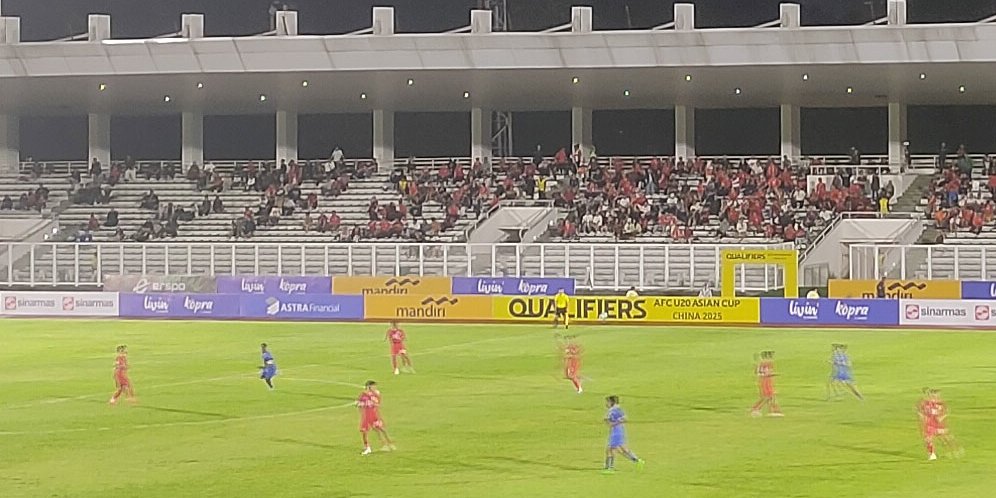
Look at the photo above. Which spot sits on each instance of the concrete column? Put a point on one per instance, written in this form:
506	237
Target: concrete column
192	132
99	132
789	16
10	30
897	12
98	27
581	129
383	138
383	21
480	21
286	23
192	26
286	136
480	134
684	132
10	143
580	19
791	131
684	16
897	132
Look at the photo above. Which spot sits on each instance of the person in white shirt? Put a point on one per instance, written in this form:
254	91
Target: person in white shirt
813	294
706	290
337	156
632	292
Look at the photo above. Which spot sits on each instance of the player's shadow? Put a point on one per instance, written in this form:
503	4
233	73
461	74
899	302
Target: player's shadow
551	465
305	443
185	412
902	454
315	395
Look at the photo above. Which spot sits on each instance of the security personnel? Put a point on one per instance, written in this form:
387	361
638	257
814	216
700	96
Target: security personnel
561	302
880	289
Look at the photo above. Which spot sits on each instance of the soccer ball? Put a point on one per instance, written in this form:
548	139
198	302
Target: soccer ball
603	316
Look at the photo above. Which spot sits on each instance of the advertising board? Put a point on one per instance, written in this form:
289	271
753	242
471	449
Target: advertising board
158	284
632	310
437	307
860	312
393	286
895	289
976	289
943	312
510	286
302	307
274	286
179	305
59	304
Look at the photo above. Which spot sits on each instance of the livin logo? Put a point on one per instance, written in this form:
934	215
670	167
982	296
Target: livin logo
439	302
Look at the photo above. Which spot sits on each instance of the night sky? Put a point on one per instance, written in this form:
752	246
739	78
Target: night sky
745	131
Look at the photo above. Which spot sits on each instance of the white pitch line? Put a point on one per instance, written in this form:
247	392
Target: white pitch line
319	381
178	424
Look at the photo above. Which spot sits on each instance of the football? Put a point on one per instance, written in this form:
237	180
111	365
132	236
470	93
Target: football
603	316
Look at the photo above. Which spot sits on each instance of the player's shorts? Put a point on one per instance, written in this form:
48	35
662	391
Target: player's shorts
269	372
617	439
397	349
559	312
931	430
371	423
767	388
122	381
571	369
843	376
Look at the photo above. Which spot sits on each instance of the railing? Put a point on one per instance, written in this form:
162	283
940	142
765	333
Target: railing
927	262
594	266
225	165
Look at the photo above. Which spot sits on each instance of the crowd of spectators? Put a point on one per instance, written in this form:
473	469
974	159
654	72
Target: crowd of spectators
956	200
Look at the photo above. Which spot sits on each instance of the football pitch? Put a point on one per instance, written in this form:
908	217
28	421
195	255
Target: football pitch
487	415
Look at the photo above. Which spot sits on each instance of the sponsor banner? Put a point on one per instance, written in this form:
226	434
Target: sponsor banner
394	286
978	290
274	286
160	284
639	309
510	286
180	305
303	307
947	313
896	289
59	303
871	312
427	307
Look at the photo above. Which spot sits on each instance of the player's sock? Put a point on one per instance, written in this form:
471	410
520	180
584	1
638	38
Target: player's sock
632	456
394	362
610	462
269	382
930	448
577	384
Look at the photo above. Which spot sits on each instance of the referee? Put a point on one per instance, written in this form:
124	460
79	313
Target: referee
561	302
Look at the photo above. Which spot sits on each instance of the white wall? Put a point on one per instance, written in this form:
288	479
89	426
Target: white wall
833	249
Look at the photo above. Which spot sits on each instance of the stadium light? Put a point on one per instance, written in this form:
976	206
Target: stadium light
850	90
575	80
363	96
688	77
805	76
101	87
923	76
961	89
167	99
304	83
737	90
411	82
262	97
466	95
625	93
200	85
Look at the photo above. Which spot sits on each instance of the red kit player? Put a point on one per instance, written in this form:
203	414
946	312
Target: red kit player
121	380
933	412
572	361
396	337
766	382
369	405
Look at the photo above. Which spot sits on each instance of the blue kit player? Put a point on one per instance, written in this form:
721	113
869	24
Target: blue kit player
269	369
615	419
840	372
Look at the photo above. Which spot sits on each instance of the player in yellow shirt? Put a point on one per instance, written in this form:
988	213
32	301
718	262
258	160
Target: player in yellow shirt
561	303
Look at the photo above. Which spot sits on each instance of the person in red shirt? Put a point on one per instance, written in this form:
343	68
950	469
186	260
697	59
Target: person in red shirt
933	412
121	380
572	361
766	384
369	404
397	337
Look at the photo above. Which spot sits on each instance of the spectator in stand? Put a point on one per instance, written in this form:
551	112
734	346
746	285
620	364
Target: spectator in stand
7	204
942	157
308	222
150	201
95	170
205	208
217	207
338	158
334	222
93	223
119	235
111	220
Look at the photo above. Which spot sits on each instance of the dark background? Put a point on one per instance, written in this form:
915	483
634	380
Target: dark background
747	131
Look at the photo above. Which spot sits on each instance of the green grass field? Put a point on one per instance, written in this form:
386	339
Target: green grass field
487	414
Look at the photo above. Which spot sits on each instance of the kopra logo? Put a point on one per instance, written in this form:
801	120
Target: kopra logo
982	312
68	303
912	312
10	303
